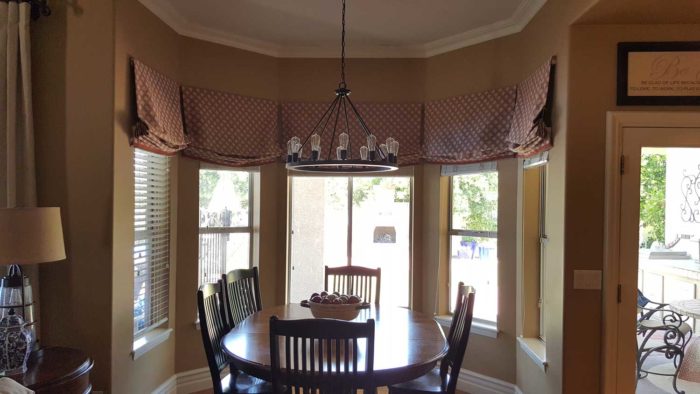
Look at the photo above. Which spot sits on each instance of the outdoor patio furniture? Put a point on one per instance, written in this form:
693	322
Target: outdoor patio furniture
661	330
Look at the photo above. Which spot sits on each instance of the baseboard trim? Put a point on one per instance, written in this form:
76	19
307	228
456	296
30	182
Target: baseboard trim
186	382
476	383
199	379
167	387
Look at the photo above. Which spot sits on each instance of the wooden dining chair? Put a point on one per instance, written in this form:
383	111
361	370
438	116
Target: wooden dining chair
444	379
355	280
242	294
321	356
213	325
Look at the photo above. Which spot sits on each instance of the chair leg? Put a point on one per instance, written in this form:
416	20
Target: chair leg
677	362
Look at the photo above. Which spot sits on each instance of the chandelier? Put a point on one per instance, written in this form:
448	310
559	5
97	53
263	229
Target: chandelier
372	157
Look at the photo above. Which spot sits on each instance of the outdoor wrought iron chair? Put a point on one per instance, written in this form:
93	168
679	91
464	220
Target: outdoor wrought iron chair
674	335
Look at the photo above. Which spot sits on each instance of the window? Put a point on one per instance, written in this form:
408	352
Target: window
225	222
338	221
151	240
473	236
534	240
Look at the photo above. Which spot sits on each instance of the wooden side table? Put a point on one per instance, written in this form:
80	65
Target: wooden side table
57	370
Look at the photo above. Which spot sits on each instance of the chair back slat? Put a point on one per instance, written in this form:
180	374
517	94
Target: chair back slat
457	338
213	326
354	280
332	350
242	294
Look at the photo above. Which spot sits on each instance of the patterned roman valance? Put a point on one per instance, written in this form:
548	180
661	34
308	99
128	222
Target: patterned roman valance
229	129
495	124
469	128
531	129
159	126
239	131
401	121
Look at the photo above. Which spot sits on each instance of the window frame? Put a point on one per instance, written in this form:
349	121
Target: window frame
451	172
541	163
397	174
543	244
156	323
249	229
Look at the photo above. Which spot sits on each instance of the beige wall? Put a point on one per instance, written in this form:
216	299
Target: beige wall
82	101
371	80
141	35
241	72
73	87
592	80
250	74
498	63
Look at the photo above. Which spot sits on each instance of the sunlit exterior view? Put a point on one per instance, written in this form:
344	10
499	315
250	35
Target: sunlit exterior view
669	264
473	240
224	222
372	215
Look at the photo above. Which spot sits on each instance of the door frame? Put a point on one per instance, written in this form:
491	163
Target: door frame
617	121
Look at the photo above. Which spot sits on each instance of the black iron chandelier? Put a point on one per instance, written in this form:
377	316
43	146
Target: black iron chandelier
372	157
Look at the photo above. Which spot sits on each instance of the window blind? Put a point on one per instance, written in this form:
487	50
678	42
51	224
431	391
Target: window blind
151	240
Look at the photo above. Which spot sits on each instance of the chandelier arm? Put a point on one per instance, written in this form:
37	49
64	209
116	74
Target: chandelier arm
320	120
364	126
335	127
347	128
361	121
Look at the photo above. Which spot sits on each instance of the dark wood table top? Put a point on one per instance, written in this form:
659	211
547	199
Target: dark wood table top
407	344
57	370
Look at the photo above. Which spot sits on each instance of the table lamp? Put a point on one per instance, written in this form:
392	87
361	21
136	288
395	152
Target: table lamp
27	236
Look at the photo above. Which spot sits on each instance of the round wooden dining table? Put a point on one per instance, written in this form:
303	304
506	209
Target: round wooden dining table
407	344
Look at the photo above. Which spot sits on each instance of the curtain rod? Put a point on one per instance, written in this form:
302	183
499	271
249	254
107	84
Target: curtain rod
39	8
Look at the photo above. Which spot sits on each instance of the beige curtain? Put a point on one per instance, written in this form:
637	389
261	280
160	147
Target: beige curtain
17	169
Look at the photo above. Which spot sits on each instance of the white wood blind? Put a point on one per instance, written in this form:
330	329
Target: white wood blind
151	240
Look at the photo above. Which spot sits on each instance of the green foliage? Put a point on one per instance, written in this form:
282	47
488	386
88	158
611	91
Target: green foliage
475	202
363	189
207	182
208	179
241	184
652	198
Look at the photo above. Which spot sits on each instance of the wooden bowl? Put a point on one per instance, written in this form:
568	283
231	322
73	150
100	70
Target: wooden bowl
335	311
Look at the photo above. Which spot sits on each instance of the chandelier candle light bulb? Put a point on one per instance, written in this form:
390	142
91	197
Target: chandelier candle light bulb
363	153
343	139
383	150
393	151
315	146
339	153
372	146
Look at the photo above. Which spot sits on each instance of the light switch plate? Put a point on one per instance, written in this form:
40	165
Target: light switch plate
587	279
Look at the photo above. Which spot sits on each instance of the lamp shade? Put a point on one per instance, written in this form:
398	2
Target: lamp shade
31	235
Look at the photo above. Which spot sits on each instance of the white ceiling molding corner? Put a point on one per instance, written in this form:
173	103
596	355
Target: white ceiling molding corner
515	24
182	25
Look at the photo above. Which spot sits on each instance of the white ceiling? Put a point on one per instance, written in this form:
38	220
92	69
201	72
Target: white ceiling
375	28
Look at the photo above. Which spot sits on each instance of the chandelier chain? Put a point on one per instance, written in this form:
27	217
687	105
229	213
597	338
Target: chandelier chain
342	50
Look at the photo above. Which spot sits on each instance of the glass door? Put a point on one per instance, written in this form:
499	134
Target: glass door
659	261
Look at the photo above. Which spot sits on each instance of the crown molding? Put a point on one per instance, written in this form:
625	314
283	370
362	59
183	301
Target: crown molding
185	27
515	24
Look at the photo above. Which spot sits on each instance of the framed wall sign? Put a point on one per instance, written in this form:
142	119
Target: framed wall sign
658	73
